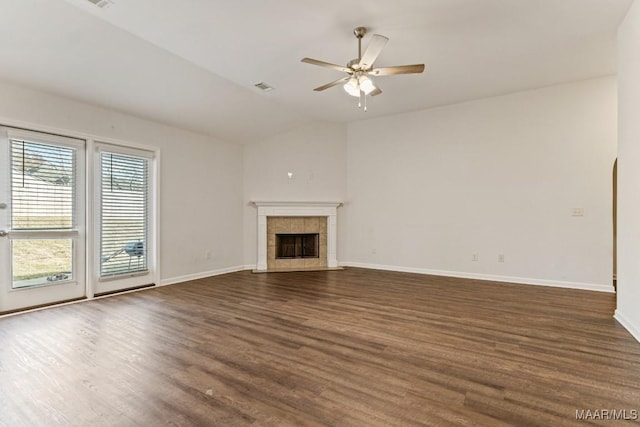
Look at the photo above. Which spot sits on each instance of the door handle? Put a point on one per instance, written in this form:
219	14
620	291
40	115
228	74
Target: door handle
3	233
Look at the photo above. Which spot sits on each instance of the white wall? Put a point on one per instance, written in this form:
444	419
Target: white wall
200	182
628	311
502	175
315	154
424	190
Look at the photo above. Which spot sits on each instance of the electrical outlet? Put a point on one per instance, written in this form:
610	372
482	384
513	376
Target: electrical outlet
474	257
500	257
374	251
208	255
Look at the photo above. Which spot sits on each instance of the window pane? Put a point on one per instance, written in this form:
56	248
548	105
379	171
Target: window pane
41	261
42	186
124	214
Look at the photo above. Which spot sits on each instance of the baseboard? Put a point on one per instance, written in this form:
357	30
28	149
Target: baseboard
202	275
633	330
462	275
489	277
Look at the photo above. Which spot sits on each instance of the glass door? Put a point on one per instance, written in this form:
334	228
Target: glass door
124	224
42	219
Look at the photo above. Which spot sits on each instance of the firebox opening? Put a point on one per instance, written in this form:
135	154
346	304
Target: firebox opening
306	245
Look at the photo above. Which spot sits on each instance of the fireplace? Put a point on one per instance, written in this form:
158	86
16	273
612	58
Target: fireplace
296	236
294	246
292	242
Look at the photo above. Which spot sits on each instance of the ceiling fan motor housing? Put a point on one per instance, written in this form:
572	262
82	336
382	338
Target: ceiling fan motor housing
354	64
359	32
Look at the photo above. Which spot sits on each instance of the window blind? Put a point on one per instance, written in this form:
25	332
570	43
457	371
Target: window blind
42	186
124	213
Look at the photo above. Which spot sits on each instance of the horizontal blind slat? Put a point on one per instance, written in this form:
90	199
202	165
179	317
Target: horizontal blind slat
43	180
124	202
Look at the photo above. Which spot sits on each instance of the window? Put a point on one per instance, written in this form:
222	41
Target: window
42	185
43	219
124	214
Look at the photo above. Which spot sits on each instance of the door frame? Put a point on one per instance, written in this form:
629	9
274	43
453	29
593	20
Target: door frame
102	286
14	299
90	139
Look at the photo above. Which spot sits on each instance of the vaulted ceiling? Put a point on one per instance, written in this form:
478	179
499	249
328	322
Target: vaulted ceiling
194	63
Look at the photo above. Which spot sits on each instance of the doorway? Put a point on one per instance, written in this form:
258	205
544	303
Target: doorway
42	219
44	230
615	224
124	224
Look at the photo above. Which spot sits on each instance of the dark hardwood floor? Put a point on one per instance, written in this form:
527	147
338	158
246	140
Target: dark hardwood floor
346	348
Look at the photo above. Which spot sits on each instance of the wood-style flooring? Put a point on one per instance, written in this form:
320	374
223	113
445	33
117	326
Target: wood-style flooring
345	348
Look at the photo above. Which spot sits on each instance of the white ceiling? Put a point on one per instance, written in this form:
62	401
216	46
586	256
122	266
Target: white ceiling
193	63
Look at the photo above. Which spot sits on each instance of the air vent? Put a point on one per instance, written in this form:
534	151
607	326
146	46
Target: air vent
101	3
263	86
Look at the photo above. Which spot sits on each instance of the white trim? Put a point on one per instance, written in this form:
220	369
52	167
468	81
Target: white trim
327	209
100	146
90	216
633	330
66	133
156	214
202	275
45	138
297	204
489	277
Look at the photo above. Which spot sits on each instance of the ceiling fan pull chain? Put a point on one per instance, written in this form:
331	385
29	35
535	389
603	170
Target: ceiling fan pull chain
365	102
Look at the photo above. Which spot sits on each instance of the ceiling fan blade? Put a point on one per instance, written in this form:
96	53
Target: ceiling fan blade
376	91
399	69
332	84
325	64
373	50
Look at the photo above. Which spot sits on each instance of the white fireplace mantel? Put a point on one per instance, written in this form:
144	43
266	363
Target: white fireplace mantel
267	209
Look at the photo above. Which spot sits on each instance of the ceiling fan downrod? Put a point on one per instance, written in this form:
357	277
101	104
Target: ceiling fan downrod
359	32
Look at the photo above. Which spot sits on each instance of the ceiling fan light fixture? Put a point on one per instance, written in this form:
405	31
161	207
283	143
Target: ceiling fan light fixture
352	87
366	85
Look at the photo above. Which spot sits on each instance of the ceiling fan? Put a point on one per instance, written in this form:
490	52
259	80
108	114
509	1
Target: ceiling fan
356	81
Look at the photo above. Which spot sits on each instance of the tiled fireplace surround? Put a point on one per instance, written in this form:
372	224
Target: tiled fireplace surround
297	225
296	217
